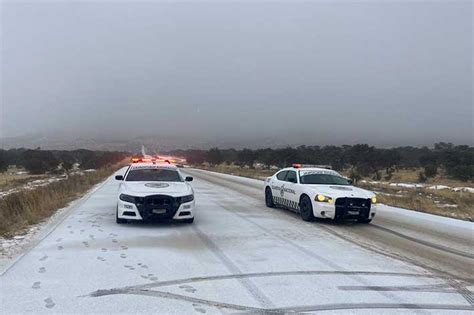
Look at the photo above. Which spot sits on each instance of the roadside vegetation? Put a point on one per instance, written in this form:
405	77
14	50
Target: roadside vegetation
438	180
62	177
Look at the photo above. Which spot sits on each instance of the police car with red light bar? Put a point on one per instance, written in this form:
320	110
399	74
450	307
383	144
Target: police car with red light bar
152	190
319	192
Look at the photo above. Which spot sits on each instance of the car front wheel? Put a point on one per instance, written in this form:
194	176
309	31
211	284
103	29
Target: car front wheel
269	198
306	209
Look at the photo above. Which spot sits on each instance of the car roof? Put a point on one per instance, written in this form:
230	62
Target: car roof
306	169
310	169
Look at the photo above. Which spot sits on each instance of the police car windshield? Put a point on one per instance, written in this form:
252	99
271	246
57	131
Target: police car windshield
323	179
153	175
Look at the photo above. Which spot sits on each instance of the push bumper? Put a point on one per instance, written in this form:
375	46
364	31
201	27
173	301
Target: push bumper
345	209
131	211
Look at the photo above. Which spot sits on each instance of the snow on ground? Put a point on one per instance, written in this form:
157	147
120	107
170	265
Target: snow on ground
413	186
238	256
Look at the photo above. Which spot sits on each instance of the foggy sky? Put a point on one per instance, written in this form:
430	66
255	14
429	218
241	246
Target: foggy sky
390	73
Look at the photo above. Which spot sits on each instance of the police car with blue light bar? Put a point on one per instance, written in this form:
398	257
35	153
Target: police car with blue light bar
319	192
154	191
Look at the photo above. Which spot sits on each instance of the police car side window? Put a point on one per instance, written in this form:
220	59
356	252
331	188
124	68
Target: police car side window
291	177
282	175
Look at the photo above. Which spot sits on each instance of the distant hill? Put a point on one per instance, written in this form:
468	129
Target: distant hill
132	144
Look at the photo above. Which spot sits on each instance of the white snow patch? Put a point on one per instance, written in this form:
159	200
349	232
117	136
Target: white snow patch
466	189
447	205
439	187
405	185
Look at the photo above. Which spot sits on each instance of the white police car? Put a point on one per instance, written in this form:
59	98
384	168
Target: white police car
154	191
317	192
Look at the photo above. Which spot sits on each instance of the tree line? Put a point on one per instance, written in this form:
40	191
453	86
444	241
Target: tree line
37	161
362	160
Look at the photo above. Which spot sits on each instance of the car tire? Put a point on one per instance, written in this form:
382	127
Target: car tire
306	209
269	198
188	221
366	221
118	220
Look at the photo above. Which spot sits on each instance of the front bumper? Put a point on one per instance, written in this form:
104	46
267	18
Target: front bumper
156	207
345	209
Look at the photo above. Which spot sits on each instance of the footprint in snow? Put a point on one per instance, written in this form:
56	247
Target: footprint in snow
42	270
60	247
49	303
36	285
199	309
43	258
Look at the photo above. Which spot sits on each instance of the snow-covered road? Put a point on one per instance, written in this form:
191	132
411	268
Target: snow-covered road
240	256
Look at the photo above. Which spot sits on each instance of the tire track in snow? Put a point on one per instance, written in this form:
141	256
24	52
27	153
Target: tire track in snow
249	285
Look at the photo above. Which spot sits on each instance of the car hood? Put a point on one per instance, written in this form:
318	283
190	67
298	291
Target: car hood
156	188
338	191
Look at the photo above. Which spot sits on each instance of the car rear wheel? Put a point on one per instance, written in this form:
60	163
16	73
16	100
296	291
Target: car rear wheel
306	209
118	220
269	198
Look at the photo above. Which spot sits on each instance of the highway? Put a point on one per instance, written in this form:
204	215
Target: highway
242	257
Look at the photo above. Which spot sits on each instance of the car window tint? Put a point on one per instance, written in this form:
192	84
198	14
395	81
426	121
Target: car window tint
153	175
291	175
282	175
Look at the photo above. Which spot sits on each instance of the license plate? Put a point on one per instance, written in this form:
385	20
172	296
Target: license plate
353	212
158	211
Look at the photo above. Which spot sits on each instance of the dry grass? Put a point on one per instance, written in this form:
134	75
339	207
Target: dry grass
420	199
412	176
9	181
427	200
21	209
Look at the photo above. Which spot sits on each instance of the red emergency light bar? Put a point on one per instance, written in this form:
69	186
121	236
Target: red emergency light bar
297	165
148	160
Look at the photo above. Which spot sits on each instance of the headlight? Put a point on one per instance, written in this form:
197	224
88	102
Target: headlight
322	198
187	198
373	199
127	198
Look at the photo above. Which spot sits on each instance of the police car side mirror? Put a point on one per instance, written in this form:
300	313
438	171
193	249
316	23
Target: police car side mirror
189	178
118	177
